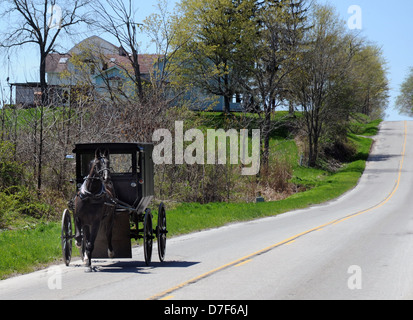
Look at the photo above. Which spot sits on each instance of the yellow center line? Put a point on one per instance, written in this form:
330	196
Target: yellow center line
248	258
242	263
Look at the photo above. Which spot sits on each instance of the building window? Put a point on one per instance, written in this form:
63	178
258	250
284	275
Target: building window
115	84
236	98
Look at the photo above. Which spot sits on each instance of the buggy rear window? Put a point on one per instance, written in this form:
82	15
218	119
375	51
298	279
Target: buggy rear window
121	163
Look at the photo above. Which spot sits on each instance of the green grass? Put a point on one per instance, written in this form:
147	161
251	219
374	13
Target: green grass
323	186
25	250
362	125
191	217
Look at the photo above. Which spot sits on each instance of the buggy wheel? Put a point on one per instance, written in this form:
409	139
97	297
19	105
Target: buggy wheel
147	236
66	237
161	232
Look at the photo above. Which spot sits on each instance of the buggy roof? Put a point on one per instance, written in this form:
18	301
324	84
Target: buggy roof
112	147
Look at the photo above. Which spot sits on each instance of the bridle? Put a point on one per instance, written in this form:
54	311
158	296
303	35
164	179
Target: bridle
101	175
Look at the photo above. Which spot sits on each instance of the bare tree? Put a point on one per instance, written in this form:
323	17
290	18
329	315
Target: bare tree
39	23
118	19
162	32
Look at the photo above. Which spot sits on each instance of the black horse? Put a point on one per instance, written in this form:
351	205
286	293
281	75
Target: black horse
93	203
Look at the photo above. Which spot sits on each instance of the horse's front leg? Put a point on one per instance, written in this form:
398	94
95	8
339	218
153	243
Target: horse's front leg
90	244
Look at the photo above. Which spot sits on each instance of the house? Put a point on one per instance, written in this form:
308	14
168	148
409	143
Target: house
108	67
117	72
96	64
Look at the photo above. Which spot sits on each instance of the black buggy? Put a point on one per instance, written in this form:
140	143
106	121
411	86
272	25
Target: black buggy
132	177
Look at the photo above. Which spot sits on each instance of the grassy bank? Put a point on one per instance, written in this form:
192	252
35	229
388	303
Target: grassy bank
323	186
26	249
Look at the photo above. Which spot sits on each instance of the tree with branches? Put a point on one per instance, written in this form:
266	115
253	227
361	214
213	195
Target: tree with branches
214	45
404	101
39	23
279	41
322	83
118	18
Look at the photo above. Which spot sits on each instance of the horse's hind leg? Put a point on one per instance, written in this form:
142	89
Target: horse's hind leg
109	232
78	233
88	248
111	253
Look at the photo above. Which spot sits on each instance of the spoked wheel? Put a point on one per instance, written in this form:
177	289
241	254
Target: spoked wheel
147	236
66	237
161	232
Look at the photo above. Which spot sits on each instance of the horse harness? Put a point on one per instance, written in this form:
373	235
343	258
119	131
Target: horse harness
84	194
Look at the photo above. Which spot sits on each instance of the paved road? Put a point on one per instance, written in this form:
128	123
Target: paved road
359	246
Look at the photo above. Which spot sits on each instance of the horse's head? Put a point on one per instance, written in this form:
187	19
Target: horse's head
102	164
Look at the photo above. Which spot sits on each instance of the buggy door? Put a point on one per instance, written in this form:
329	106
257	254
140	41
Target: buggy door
124	176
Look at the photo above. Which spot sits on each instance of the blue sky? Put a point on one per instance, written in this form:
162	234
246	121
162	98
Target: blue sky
388	24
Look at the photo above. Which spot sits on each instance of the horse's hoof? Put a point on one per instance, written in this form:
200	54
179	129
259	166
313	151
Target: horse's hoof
111	254
86	260
88	270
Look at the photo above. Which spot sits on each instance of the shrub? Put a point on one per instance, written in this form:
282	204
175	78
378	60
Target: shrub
30	205
274	182
195	183
341	150
11	172
19	203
